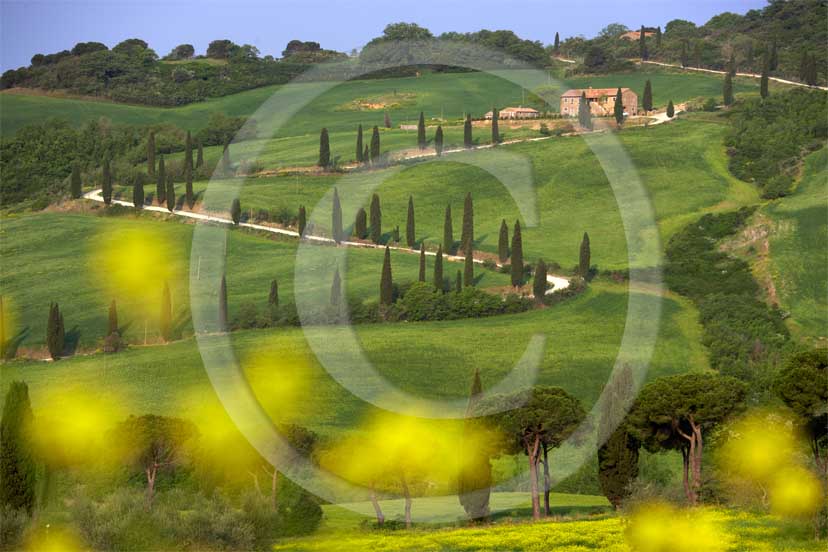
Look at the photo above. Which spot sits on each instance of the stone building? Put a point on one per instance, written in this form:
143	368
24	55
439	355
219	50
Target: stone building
601	101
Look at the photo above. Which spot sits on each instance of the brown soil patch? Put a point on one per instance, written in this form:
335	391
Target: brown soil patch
753	244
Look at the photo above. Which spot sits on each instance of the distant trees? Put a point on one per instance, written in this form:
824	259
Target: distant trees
421	277
336	218
151	154
17	463
375	145
301	221
421	132
55	332
361	224
495	126
376	219
273	296
763	80
539	283
517	256
386	282
170	193
467	233
684	57
503	242
438	269
75	187
324	149
658	38
161	182
808	69
410	234
647	97
671	110
618	108
438	141
138	191
181	52
360	157
165	320
467	132
448	231
106	176
727	90
584	257
468	267
235	211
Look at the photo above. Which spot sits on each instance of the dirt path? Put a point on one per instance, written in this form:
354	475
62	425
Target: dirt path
555	282
714	71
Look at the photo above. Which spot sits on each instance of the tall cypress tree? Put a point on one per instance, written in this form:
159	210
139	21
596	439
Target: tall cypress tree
658	38
642	45
188	150
727	90
161	182
188	186
467	235
539	284
151	154
517	256
112	325
336	218
468	267
438	269
584	258
647	99
731	64
55	335
458	282
618	465
386	283
685	61
107	182
170	193
410	234
138	191
557	43
467	132
448	231
222	306
584	114
301	220
235	211
366	155
18	467
503	242
474	480
495	127
618	108
199	155
375	145
438	140
273	297
773	59
421	132
165	320
359	147
376	219
422	275
361	224
75	187
336	289
387	120
671	109
697	54
324	149
763	81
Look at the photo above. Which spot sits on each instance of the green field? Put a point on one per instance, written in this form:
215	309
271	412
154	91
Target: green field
799	249
449	95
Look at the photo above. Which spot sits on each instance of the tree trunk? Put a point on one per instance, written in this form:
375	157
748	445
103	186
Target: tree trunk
274	479
692	460
547	481
697	462
685	458
532	453
407	495
377	510
151	473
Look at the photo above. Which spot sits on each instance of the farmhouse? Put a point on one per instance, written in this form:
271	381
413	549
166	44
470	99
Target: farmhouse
636	35
516	113
601	101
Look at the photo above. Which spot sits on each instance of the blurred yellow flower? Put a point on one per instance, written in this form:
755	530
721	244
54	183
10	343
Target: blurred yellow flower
794	492
661	527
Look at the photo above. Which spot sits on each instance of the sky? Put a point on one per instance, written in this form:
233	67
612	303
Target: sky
38	26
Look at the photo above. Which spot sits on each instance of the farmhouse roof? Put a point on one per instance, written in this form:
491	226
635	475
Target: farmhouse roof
592	92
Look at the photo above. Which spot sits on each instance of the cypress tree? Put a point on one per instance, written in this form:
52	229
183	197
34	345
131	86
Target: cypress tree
222	313
475	476
301	220
361	224
503	242
584	114
697	54
75	186
422	275
812	76
138	191
647	99
495	128
387	120
618	108
161	182
658	38
336	218
395	234
188	150
421	132
684	58
366	155
273	297
151	154
763	81
199	155
618	465
165	321
386	283
359	147
107	183
438	140
557	43
731	65
188	186
55	332
539	284
727	90
448	231
410	235
517	256
376	219
642	45
773	60
458	282
467	132
468	267
584	257
336	289
467	234
671	110
18	467
112	326
438	269
375	145
2	330
324	149
235	211
749	55
804	61
170	193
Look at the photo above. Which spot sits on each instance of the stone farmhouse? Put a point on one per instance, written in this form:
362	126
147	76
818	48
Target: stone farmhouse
601	101
636	35
516	113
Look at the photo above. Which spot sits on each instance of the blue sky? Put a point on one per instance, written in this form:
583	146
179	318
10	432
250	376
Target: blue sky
30	27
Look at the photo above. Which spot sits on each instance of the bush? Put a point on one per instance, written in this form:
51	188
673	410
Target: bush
778	186
710	105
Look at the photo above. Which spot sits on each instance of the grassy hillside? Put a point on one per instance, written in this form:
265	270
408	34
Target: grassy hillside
451	95
799	249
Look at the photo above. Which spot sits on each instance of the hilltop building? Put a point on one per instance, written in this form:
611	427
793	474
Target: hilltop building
601	101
